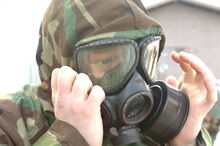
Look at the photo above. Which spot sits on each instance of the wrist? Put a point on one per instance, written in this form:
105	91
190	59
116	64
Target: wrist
187	137
66	133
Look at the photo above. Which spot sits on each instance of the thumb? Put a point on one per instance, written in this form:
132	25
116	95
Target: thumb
171	80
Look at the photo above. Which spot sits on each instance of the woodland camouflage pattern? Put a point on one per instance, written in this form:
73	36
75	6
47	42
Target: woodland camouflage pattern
26	117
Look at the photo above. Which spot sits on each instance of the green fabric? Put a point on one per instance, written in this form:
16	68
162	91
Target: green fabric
47	140
69	22
25	100
207	138
133	34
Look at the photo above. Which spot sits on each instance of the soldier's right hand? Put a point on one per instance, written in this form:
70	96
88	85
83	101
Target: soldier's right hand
77	102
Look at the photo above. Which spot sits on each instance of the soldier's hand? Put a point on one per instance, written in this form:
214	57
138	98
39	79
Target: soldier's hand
77	102
199	84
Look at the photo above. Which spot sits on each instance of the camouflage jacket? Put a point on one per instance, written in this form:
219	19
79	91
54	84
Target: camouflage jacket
26	117
212	126
26	120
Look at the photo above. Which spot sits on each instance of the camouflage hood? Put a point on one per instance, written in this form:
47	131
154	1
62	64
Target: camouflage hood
70	23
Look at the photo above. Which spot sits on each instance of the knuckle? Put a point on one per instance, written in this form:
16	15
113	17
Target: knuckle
97	94
99	91
56	70
84	80
83	76
68	71
65	68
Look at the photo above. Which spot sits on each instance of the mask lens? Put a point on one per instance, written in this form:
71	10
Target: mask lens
107	64
150	52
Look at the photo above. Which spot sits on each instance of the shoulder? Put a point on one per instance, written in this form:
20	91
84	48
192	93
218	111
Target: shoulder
21	113
24	98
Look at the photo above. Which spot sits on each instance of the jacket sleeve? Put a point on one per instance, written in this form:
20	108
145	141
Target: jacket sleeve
203	138
24	123
61	134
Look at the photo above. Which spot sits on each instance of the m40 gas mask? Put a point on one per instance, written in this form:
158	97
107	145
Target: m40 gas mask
134	103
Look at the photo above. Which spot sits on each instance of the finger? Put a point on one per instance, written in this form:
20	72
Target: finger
175	56
66	79
184	66
197	65
171	80
82	86
54	77
96	96
211	90
189	73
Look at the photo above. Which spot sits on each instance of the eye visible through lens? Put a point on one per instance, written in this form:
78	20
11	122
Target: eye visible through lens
102	62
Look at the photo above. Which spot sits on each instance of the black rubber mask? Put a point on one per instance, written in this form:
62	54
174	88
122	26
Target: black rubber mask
133	105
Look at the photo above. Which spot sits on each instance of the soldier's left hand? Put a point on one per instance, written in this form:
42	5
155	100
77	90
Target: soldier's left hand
198	83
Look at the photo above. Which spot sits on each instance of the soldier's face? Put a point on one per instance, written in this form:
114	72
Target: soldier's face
103	62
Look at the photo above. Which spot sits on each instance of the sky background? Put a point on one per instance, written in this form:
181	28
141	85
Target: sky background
19	26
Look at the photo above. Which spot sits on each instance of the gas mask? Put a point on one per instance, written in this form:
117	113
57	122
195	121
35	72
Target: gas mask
135	103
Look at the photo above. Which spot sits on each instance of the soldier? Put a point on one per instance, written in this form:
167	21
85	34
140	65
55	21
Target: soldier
65	108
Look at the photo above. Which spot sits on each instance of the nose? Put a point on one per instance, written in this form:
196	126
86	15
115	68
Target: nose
99	74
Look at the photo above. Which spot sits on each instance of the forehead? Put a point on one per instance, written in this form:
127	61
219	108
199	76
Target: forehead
105	53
